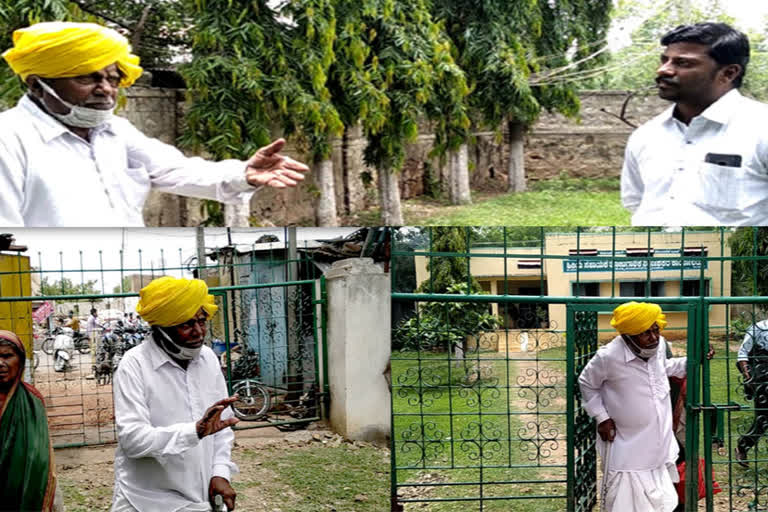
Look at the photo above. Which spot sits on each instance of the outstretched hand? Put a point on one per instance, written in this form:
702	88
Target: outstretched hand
268	167
211	421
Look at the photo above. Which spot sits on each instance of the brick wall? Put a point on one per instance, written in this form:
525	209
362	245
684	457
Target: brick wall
590	146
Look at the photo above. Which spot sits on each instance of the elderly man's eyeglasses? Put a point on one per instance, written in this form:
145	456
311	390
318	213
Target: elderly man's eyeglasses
97	78
652	332
190	324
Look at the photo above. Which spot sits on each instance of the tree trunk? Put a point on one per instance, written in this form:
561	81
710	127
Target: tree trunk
516	165
326	205
459	175
389	199
236	215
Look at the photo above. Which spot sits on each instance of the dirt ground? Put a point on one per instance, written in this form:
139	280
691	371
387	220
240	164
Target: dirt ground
86	475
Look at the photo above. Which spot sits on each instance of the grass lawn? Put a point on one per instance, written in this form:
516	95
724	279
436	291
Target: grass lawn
513	397
480	429
557	202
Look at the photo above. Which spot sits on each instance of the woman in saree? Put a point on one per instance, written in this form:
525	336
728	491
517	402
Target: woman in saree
27	480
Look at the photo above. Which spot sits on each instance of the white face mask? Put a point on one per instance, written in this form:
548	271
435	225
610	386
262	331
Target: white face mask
80	117
646	353
178	351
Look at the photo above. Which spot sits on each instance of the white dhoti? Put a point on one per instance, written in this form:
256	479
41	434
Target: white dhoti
642	491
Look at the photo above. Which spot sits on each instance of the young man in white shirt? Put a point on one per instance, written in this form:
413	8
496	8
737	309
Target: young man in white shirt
752	362
171	408
704	161
625	388
66	161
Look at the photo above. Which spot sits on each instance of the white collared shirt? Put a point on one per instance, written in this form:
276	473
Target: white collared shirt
160	463
757	334
50	177
634	393
666	181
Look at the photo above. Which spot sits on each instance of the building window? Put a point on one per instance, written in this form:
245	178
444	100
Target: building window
582	252
585	289
692	288
637	289
695	251
528	264
485	286
640	252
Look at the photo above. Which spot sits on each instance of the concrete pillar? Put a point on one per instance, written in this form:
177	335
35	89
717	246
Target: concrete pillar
359	347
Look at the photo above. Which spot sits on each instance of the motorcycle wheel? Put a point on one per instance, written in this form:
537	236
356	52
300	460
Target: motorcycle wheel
83	347
47	346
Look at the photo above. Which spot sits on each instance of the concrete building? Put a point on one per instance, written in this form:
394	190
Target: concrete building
566	265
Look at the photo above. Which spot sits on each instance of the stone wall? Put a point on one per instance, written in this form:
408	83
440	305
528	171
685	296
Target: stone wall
590	146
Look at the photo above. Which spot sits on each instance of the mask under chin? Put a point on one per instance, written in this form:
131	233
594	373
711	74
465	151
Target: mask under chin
175	350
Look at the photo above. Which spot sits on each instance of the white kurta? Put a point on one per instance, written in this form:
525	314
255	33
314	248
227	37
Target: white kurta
50	177
667	181
634	393
160	464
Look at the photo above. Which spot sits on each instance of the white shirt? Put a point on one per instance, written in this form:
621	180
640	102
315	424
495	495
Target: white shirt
160	463
92	325
758	334
666	181
51	177
634	393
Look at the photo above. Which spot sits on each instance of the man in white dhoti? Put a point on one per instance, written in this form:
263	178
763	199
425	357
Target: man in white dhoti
174	447
625	388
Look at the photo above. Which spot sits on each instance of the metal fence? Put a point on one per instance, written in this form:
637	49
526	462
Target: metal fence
493	326
269	328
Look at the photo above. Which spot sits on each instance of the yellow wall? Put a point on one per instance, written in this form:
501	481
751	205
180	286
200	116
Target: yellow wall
557	282
16	316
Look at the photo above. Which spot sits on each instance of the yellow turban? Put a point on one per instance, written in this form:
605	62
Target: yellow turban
168	301
60	49
636	317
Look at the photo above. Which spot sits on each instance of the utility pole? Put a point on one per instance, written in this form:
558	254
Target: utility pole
200	251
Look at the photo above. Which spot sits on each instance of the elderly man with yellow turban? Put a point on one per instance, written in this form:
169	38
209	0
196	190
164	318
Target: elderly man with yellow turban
171	408
625	388
65	160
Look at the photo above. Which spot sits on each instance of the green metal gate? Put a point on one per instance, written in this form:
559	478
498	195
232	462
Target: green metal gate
484	424
274	333
282	323
474	429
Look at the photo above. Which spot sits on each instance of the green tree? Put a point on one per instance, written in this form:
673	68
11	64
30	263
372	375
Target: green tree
393	66
512	56
65	286
633	67
15	14
447	325
255	69
124	287
750	276
158	30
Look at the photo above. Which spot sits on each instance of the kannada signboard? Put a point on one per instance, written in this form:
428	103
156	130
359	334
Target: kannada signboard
633	264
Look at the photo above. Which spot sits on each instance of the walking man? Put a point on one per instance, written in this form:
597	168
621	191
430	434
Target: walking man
171	408
752	361
625	388
93	330
703	161
61	144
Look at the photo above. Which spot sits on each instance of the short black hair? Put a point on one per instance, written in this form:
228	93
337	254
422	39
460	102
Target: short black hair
93	310
726	44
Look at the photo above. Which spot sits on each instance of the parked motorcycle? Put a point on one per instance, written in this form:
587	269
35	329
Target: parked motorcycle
79	339
63	351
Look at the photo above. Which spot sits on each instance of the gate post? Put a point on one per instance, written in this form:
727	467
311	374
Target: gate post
359	347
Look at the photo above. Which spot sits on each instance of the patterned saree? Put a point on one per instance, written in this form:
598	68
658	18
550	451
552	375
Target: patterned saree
27	481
